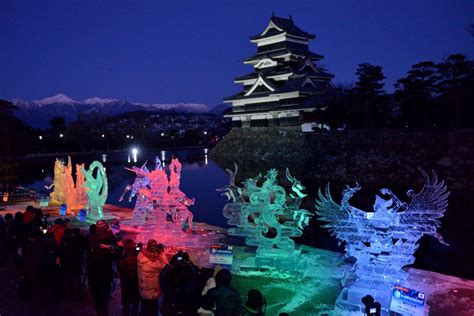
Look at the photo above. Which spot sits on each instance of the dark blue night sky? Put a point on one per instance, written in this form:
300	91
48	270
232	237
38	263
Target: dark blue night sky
189	51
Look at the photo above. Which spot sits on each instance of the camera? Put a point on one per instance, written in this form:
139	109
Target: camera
139	247
372	308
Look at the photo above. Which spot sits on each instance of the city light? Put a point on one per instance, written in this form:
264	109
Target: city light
103	135
205	132
40	137
162	134
61	135
128	136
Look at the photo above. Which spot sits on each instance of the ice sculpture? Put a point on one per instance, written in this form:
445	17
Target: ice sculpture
159	198
143	209
266	216
384	240
57	196
97	189
81	194
68	185
177	201
65	191
161	208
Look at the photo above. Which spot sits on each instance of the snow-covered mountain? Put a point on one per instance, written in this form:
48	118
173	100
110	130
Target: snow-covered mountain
38	113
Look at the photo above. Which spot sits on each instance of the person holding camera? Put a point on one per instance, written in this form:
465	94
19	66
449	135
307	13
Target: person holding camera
150	263
179	281
372	308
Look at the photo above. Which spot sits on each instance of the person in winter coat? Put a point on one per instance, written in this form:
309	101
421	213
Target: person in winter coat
100	257
226	299
150	263
255	305
128	270
70	254
179	282
57	231
3	243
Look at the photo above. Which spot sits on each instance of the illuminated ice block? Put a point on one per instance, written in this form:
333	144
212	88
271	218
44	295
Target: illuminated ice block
68	184
143	209
65	190
81	191
161	208
58	196
267	217
384	240
97	189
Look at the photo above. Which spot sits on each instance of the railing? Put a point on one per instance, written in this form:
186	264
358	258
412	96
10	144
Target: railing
18	194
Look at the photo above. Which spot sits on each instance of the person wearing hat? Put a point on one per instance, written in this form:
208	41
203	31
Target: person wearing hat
151	261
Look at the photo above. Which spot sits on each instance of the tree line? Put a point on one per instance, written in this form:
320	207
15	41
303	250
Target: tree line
431	95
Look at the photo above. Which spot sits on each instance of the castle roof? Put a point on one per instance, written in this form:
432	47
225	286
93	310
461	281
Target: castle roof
279	25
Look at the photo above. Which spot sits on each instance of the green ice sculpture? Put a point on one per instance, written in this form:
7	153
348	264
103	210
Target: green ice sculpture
97	188
265	215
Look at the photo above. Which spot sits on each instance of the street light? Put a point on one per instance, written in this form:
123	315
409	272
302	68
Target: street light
134	154
61	135
103	135
40	137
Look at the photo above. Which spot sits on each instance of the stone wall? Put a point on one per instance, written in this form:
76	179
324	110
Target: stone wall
368	156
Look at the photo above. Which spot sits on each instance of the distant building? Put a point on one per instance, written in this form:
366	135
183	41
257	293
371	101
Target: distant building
285	82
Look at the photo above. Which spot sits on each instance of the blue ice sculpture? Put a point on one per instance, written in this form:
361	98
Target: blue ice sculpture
143	205
264	214
384	240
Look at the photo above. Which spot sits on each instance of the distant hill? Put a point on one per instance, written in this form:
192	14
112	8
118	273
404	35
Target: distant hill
38	113
220	108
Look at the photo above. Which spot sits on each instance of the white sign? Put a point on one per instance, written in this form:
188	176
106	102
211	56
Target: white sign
221	254
407	302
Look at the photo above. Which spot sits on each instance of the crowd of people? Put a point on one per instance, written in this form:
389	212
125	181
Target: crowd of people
59	261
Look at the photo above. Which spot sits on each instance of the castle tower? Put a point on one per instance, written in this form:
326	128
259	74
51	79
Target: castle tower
285	82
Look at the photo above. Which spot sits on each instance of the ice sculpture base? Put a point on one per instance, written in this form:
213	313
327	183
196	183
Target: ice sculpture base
350	298
168	234
274	259
92	219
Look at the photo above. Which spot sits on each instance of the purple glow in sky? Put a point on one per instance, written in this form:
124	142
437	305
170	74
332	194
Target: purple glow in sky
190	51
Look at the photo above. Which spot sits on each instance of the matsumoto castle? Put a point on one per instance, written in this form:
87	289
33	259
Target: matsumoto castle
285	82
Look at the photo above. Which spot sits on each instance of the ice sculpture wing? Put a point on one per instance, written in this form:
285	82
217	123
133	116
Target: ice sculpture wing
329	211
426	207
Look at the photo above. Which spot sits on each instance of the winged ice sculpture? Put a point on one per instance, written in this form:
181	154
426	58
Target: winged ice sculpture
384	240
